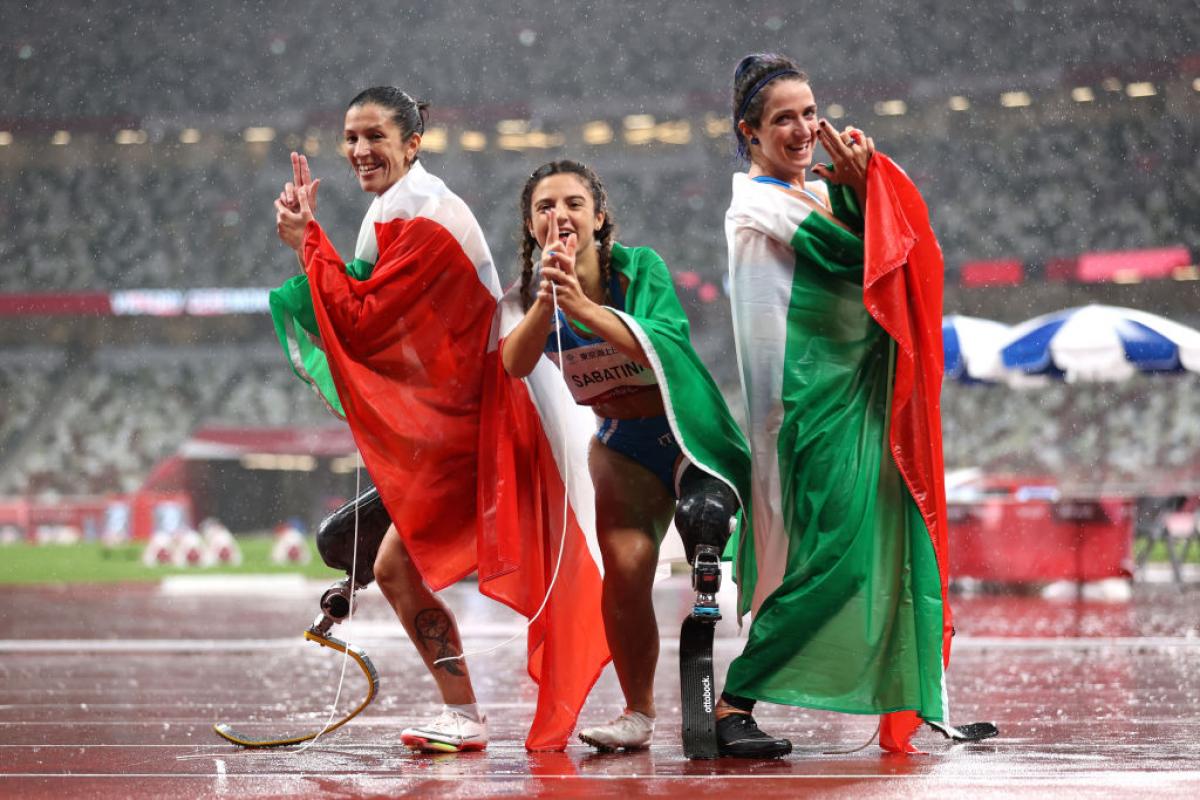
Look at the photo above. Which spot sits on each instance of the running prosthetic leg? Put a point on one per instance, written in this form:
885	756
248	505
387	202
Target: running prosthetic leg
335	535
697	686
971	732
703	517
335	542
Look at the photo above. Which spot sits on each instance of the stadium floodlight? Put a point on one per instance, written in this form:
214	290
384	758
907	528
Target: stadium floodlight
891	108
279	461
61	138
717	126
835	111
1141	89
533	140
128	136
472	141
639	129
435	140
258	135
677	132
1015	99
343	465
1112	84
6	138
597	132
508	127
542	140
189	136
959	103
1083	94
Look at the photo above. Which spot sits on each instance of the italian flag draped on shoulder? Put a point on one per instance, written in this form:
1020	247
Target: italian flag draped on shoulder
401	343
838	332
699	417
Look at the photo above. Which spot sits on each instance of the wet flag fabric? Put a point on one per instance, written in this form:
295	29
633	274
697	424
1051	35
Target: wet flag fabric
839	345
400	343
699	418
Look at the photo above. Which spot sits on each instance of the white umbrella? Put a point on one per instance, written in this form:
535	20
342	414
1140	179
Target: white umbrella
1101	343
972	348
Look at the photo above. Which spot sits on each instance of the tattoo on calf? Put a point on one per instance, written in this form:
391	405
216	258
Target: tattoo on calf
433	626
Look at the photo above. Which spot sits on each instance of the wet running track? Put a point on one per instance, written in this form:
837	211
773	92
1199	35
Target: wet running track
112	691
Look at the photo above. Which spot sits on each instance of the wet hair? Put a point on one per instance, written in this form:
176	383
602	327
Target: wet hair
604	236
753	75
409	115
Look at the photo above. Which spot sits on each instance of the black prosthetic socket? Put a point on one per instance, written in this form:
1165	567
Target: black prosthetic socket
702	515
740	703
335	535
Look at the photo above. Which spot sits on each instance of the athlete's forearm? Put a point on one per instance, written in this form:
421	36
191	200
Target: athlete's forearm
521	349
604	323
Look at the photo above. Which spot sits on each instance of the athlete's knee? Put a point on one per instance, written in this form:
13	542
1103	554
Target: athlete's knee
628	559
705	511
335	535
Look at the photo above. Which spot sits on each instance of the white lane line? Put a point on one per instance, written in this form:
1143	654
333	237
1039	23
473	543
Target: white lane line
972	643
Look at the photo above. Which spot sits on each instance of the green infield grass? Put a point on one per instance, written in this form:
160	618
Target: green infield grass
90	562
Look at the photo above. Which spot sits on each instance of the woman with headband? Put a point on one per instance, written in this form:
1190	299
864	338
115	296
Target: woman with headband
836	295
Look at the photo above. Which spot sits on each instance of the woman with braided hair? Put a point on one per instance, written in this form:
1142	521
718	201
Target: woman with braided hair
607	316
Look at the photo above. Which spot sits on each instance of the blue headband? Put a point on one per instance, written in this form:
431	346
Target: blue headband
763	81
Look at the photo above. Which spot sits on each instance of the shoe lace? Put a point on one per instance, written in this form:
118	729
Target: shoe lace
628	723
449	720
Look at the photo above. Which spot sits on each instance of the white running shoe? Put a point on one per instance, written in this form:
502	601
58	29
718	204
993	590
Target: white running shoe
631	731
449	732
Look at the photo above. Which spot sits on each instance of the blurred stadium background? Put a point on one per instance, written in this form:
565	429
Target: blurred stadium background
142	144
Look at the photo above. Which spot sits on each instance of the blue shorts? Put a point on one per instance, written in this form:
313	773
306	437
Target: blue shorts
648	441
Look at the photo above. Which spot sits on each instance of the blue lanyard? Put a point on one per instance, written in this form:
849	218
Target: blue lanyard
776	182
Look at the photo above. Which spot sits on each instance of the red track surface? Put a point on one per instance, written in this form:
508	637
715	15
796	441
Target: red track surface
112	692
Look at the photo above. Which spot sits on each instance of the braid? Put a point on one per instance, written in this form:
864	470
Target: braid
604	237
528	243
604	256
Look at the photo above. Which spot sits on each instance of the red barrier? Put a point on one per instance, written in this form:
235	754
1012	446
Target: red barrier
1100	267
991	273
1011	541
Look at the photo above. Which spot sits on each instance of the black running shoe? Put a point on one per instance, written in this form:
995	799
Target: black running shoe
738	735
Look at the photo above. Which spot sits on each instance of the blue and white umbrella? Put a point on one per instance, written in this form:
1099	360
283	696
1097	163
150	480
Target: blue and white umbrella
1101	343
972	348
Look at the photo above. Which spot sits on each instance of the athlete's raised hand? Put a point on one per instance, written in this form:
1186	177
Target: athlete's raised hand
301	177
851	152
290	224
558	267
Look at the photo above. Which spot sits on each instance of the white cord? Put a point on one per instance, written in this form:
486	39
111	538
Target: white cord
345	653
874	733
562	542
349	616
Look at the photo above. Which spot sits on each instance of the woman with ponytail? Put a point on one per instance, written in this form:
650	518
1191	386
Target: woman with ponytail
606	315
836	291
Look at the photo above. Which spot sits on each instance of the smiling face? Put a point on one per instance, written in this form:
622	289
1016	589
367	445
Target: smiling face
787	134
376	148
566	195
